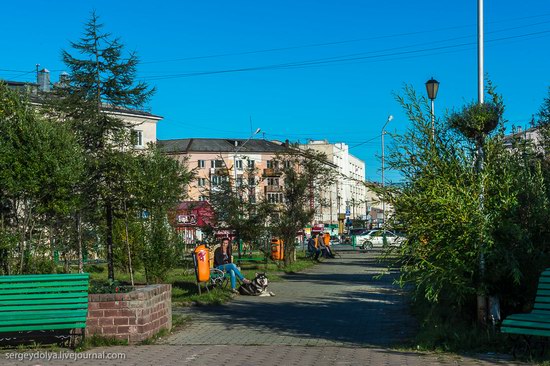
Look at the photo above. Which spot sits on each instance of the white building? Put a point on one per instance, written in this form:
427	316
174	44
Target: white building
348	195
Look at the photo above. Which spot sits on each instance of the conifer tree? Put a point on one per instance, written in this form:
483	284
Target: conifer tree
102	79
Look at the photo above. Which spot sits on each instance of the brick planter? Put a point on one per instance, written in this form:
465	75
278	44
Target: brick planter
133	316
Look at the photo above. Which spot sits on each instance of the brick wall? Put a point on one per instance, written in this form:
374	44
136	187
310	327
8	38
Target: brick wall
133	316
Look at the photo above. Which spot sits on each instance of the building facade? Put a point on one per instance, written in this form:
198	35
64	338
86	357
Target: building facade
348	196
215	160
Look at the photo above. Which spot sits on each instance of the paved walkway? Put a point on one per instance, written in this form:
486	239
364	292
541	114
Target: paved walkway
337	303
337	313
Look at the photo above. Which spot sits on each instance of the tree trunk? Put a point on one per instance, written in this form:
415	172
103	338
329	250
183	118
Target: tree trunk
128	245
79	242
109	240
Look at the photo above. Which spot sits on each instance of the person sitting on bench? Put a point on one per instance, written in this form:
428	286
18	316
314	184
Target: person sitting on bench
312	247
325	242
222	261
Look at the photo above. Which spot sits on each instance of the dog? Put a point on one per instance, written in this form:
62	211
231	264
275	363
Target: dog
256	287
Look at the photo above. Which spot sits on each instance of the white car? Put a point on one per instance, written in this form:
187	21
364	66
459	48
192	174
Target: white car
375	238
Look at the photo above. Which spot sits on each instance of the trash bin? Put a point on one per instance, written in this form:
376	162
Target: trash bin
202	263
277	248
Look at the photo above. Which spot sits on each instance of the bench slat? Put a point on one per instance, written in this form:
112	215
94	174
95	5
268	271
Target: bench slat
42	290
543	318
83	305
74	319
43	296
537	332
41	314
43	302
23	285
531	323
544	286
43	327
44	277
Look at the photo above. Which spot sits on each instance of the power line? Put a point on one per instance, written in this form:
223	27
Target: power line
337	59
322	44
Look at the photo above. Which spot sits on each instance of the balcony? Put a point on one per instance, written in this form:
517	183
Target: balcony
272	172
219	171
273	189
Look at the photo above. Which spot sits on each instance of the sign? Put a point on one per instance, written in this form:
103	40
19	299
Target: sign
190	219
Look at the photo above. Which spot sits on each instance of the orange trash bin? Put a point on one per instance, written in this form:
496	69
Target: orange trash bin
277	253
202	263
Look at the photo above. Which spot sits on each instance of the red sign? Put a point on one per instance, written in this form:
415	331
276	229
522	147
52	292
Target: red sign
194	213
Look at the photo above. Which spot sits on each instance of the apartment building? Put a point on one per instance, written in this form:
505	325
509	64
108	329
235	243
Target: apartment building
143	123
348	195
216	160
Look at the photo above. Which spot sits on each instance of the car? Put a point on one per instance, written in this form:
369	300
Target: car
375	238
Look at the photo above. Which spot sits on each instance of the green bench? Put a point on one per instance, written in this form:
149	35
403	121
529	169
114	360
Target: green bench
43	302
533	324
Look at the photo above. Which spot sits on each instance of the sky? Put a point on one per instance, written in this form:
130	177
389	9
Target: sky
299	70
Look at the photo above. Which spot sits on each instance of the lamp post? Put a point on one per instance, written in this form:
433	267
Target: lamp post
432	86
390	117
235	158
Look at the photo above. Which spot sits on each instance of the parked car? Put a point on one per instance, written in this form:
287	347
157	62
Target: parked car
375	238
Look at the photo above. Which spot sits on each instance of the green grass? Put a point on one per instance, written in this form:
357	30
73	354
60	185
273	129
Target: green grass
99	341
184	286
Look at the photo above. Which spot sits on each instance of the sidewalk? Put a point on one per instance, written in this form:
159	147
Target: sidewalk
337	303
336	313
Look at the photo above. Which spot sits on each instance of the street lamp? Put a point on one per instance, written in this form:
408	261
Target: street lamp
390	117
235	157
432	86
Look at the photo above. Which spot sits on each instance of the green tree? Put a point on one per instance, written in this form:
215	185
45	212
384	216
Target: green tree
306	174
102	79
40	166
239	207
459	246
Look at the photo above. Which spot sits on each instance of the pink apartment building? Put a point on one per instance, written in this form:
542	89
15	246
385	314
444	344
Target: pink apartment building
214	160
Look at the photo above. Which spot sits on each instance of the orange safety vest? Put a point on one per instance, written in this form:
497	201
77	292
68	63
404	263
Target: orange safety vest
326	239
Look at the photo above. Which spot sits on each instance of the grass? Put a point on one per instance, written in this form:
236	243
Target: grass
99	341
184	286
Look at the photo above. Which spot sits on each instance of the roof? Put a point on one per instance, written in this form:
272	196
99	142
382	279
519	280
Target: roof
219	145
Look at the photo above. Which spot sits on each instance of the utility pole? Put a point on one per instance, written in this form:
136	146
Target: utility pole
390	117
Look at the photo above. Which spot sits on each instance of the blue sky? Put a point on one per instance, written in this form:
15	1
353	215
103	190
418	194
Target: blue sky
356	54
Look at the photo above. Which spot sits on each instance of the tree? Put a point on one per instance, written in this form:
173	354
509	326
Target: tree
306	174
448	232
40	166
101	80
238	207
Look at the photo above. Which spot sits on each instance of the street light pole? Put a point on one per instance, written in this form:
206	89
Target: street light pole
432	86
390	117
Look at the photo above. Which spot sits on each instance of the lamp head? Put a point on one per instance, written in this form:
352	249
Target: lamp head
432	87
390	117
257	131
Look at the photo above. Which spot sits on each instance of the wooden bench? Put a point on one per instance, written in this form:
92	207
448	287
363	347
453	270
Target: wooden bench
43	302
533	324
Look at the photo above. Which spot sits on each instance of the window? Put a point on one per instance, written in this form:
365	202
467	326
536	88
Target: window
137	138
216	164
203	198
272	181
252	181
239	164
251	164
218	179
287	164
202	182
239	181
200	163
252	198
272	164
275	197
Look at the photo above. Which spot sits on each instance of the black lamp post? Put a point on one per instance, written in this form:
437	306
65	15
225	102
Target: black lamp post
432	86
